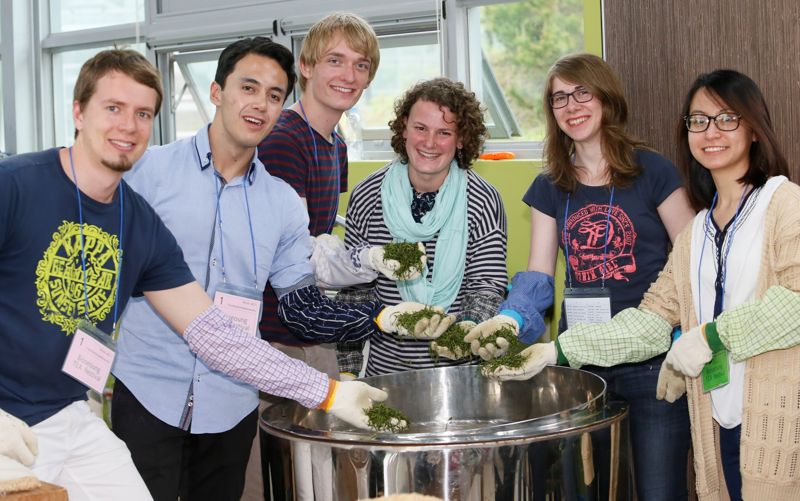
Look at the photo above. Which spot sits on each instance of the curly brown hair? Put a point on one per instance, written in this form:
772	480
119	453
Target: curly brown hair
461	102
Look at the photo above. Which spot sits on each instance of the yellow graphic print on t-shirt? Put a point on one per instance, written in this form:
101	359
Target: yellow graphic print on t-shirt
60	280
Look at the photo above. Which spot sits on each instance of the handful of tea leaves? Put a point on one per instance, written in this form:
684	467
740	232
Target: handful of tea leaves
408	321
452	340
512	359
407	254
384	418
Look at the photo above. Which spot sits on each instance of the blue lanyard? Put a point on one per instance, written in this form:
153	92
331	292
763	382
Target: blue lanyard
249	222
605	246
316	156
724	263
83	248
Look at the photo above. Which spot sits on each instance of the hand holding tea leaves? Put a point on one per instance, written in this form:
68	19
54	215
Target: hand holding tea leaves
534	358
451	344
398	261
415	320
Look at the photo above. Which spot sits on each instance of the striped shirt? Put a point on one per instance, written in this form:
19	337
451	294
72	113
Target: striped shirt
311	167
485	277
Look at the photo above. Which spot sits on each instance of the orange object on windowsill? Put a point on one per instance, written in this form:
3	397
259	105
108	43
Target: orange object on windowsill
498	155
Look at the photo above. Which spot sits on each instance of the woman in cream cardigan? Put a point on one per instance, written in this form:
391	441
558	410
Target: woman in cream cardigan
732	284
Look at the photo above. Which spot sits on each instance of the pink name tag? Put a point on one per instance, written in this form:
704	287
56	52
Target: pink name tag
90	357
244	308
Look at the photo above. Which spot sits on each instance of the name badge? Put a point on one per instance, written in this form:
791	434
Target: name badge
591	305
716	372
90	356
243	306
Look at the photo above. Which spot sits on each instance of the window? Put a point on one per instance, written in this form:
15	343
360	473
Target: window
518	42
365	127
71	15
398	54
500	49
191	75
66	65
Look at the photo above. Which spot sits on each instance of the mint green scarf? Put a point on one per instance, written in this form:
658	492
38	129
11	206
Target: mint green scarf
448	218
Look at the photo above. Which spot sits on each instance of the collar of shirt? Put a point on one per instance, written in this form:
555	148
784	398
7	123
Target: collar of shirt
202	147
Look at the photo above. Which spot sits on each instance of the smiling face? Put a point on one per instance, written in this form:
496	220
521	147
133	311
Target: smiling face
431	136
338	78
115	123
250	103
580	121
716	150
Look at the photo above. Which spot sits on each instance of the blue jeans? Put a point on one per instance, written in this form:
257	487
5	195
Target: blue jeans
729	454
659	430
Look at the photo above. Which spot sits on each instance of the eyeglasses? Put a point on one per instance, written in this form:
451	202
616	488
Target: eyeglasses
560	99
698	122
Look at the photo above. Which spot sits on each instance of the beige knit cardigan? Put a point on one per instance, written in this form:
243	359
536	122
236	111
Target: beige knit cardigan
770	443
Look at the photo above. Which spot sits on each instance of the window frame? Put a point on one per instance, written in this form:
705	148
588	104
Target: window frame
28	113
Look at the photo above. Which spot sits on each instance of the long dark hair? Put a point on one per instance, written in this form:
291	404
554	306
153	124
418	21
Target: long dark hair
741	94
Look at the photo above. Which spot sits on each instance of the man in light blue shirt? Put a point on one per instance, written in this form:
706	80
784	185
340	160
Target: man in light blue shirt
190	428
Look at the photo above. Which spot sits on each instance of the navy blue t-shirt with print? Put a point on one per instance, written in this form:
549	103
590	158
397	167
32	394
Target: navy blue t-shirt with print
637	241
42	293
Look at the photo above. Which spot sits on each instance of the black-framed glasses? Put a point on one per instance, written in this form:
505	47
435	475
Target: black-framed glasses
560	99
699	122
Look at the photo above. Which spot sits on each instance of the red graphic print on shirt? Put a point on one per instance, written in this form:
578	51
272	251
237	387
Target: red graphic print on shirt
589	229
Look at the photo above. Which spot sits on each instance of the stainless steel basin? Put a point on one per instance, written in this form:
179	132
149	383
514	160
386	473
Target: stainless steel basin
553	437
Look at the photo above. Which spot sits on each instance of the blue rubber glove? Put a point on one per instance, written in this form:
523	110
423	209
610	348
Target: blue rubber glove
530	295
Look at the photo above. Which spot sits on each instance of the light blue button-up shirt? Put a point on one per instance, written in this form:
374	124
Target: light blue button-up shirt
180	182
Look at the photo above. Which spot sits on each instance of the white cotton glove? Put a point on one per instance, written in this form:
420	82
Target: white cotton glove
671	383
458	353
389	267
15	477
426	328
17	440
486	329
690	352
336	266
537	356
351	399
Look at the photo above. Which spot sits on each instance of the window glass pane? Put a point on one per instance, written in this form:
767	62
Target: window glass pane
405	60
70	15
191	88
520	41
400	68
66	66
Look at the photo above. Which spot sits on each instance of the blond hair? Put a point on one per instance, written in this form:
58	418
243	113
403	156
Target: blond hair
357	33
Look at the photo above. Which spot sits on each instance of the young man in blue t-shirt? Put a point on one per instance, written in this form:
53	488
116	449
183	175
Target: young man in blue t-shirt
75	244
